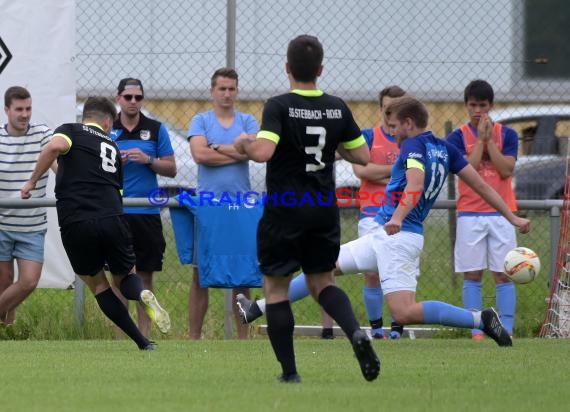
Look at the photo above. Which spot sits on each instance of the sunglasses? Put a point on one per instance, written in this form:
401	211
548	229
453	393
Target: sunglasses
129	97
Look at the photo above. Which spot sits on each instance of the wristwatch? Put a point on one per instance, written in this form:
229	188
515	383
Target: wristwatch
214	146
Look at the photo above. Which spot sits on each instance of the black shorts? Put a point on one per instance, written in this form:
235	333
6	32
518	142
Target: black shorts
148	241
90	244
283	247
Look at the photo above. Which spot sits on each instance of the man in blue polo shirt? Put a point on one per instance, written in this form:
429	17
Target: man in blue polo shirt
146	152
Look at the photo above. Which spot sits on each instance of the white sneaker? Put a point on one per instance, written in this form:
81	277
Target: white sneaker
154	311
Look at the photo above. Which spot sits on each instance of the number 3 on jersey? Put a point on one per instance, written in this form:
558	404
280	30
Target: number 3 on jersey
108	157
317	150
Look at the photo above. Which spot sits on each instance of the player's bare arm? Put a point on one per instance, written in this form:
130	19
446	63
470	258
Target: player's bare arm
415	184
58	145
53	167
470	176
373	172
358	155
257	149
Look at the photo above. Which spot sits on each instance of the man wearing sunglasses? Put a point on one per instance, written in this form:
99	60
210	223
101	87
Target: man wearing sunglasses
146	152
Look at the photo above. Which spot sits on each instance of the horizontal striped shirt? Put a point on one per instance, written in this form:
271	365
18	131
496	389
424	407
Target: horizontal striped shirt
18	158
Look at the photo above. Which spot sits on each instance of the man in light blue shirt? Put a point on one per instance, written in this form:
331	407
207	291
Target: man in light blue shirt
221	170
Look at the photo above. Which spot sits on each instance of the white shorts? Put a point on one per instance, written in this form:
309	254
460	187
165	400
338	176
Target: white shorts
366	225
483	242
396	257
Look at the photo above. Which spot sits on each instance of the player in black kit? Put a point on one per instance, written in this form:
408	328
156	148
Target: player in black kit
90	214
299	134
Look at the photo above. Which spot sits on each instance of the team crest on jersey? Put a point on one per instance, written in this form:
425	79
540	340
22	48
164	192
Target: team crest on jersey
145	134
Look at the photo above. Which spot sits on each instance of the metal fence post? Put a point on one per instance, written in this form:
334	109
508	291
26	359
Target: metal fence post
230	62
451	214
554	231
79	298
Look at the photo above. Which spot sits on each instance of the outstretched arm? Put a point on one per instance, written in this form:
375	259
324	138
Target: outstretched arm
57	145
359	155
373	172
470	176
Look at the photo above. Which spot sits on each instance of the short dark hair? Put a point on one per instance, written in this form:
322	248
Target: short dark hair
305	56
409	107
479	90
96	107
224	72
15	93
390	91
129	81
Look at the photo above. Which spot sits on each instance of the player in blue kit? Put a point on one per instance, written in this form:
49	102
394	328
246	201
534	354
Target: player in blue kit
394	247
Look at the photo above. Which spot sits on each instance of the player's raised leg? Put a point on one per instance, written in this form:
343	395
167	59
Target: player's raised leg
114	309
250	310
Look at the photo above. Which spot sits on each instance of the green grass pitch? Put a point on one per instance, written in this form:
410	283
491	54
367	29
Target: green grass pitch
215	375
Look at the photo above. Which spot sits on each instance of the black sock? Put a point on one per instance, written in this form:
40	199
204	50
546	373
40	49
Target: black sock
377	324
336	303
327	333
114	309
131	286
280	326
396	327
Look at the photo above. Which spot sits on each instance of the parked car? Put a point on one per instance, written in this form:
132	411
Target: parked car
540	172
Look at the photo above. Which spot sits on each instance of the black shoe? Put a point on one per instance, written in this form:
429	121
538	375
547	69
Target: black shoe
369	362
293	378
327	333
149	346
493	327
248	309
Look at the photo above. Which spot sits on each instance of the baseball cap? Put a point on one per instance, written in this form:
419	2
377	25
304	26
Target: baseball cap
129	82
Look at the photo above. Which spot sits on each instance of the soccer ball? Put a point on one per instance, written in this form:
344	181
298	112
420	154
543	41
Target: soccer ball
522	265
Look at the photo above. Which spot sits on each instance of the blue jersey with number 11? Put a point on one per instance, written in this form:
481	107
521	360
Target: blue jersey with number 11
436	158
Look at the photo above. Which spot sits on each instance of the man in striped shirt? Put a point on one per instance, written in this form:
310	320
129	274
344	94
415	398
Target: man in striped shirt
22	231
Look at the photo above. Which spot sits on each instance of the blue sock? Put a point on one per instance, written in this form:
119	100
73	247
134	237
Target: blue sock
373	301
506	295
472	298
436	312
298	288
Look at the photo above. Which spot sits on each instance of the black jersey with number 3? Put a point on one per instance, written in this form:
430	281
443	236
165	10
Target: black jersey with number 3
309	125
89	176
